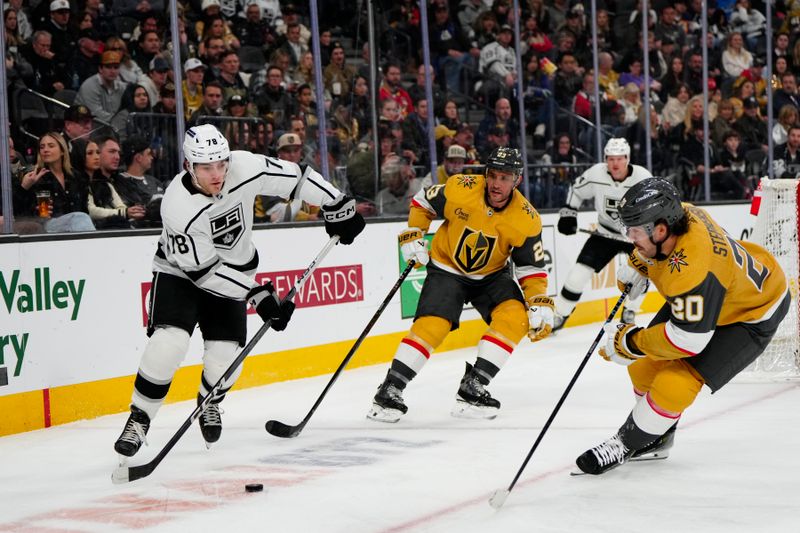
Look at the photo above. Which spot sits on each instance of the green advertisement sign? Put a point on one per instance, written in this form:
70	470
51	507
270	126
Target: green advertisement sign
412	285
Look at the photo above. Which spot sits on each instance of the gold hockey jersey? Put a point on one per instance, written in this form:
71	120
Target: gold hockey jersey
477	240
710	279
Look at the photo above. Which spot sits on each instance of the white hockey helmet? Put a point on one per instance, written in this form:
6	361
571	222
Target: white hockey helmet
205	144
617	146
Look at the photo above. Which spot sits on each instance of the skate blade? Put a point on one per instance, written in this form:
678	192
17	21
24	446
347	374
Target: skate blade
653	456
382	414
463	409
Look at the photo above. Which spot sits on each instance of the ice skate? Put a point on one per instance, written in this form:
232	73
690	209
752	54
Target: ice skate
387	406
210	422
472	399
603	457
133	435
658	449
628	316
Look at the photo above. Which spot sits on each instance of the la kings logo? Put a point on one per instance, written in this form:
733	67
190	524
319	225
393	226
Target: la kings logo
474	250
227	228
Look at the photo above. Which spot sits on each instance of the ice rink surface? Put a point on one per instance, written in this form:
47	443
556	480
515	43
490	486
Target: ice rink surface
735	466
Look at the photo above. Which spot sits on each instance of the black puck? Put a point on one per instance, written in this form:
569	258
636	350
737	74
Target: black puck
254	487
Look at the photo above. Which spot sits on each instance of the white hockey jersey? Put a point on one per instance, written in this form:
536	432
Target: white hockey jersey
209	239
596	183
497	60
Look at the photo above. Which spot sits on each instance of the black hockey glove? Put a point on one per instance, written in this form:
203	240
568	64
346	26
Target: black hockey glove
568	221
342	219
265	301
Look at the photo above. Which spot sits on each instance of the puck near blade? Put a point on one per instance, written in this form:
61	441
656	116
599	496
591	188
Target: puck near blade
254	487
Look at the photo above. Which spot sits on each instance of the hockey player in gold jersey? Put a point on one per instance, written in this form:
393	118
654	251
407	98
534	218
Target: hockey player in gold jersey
724	301
487	221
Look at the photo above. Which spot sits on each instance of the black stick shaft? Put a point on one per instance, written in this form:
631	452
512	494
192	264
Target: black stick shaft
292	431
569	387
137	472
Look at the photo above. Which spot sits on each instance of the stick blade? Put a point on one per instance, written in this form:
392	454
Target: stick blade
120	475
499	498
279	429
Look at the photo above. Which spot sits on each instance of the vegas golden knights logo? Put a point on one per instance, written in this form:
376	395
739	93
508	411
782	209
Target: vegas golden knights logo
474	250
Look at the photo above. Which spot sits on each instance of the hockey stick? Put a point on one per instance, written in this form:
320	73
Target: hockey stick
279	429
598	234
499	497
125	474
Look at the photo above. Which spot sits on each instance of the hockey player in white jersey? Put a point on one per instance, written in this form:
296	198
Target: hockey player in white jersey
204	265
605	183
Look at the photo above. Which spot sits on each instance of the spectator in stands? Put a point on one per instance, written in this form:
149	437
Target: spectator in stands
674	111
135	186
450	47
212	103
148	47
500	118
84	62
781	47
417	91
108	172
693	72
780	68
751	127
291	15
583	105
304	73
787	117
483	31
305	108
209	52
542	14
102	93
756	75
732	157
735	58
749	22
609	78
229	76
630	102
786	161
157	73
192	85
293	45
338	76
672	79
273	100
415	130
167	104
254	30
23	18
77	123
68	209
534	39
465	138
218	28
668	26
46	75
129	70
392	89
106	208
498	65
787	95
568	79
723	123
453	164
450	115
325	47
399	187
361	104
496	137
551	186
724	184
57	25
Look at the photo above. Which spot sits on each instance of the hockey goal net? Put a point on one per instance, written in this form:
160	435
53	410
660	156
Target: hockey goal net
777	227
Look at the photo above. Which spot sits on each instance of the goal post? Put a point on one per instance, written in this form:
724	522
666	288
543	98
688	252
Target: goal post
776	229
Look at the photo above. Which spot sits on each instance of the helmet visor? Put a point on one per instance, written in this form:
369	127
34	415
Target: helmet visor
635	233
